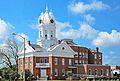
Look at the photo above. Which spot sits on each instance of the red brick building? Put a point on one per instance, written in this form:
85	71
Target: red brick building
54	58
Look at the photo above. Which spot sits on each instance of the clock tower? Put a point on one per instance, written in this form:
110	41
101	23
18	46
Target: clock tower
47	30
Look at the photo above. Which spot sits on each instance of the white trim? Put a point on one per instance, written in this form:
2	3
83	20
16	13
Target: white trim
47	54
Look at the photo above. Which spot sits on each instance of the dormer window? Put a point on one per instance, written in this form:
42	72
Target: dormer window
52	21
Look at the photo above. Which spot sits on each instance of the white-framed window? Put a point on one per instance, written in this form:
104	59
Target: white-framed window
76	54
56	72
83	62
86	55
80	54
76	61
63	72
70	61
80	61
56	61
95	56
107	72
96	72
63	61
40	33
83	54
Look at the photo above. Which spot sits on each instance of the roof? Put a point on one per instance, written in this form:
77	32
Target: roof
69	42
35	46
47	17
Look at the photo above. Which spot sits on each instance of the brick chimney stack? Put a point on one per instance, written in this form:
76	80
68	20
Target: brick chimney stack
28	42
97	49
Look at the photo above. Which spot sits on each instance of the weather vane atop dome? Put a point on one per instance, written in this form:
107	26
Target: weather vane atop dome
46	8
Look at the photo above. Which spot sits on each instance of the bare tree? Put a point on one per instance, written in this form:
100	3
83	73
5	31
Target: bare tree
8	54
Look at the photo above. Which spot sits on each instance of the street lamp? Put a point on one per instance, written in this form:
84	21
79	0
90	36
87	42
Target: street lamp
23	50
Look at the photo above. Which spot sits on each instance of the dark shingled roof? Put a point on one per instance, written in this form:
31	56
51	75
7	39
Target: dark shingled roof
35	46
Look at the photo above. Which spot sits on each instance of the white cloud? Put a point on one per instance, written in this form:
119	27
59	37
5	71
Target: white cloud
85	30
19	38
81	7
107	39
5	29
89	19
62	25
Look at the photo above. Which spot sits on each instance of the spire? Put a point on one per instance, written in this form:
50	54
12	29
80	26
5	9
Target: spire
46	8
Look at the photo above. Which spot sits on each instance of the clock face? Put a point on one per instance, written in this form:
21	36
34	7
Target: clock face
40	21
52	21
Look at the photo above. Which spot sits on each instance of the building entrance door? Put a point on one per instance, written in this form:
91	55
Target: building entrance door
43	72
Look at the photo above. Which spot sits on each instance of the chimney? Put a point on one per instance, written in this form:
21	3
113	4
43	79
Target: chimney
97	49
59	41
28	42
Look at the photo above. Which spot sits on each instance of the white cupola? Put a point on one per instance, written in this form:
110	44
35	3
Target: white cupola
47	30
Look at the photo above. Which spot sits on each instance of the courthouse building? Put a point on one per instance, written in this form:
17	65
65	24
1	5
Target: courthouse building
53	58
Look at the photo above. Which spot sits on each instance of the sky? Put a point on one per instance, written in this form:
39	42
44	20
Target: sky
90	23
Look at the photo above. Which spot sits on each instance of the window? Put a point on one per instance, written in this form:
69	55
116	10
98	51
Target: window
86	55
40	33
40	21
107	72
41	60
76	55
70	61
52	21
90	72
76	61
96	72
51	37
56	61
63	72
45	60
63	61
45	36
80	61
80	54
56	72
83	55
63	48
95	56
101	72
83	62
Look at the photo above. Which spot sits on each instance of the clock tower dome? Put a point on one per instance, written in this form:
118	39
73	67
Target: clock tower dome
47	30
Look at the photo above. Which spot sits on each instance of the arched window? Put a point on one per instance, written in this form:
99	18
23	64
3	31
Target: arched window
40	33
51	35
46	37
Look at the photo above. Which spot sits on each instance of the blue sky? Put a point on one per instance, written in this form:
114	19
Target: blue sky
91	23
